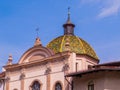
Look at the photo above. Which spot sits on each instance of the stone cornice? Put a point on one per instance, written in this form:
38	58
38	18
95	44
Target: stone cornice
37	62
2	75
87	56
48	51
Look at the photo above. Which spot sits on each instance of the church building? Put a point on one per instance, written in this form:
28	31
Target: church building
66	63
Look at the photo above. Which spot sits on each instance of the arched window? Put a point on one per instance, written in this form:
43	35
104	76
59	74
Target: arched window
15	89
91	85
35	86
58	86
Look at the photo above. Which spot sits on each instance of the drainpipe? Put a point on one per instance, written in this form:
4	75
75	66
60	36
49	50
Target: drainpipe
71	84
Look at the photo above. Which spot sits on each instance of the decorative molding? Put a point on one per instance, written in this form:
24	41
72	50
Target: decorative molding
7	79
54	58
47	52
65	67
22	76
48	70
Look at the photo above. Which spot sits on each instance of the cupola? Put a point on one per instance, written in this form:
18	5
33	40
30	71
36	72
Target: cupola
70	42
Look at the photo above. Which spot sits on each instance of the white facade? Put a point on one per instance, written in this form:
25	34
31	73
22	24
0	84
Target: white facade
48	70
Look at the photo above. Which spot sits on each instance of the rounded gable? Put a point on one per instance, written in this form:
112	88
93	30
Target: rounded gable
35	53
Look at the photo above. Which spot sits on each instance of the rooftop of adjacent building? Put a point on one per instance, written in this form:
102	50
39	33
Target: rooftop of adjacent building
111	66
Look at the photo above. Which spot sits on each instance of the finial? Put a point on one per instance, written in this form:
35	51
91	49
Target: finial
68	26
10	58
37	41
68	13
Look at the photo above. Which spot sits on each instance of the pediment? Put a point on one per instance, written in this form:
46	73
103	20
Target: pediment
36	53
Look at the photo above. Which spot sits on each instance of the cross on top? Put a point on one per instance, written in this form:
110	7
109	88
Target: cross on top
68	13
37	30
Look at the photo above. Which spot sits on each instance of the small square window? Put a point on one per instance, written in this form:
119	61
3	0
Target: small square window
91	85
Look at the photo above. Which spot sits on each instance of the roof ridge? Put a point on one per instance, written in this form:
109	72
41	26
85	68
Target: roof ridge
81	43
62	43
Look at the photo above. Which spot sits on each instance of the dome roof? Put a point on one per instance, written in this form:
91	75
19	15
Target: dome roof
70	42
75	44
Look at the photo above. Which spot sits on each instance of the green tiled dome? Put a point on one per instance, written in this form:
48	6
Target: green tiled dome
76	45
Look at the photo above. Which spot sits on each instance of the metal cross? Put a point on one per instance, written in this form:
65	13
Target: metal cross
37	30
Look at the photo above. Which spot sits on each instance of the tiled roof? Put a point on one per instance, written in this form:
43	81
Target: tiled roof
76	45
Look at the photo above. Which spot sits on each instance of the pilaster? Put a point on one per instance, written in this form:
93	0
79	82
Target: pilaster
22	76
7	83
47	72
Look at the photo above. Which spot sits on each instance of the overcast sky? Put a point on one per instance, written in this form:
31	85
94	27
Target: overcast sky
97	22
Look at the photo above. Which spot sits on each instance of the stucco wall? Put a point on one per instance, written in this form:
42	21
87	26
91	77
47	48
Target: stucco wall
112	81
81	83
38	73
14	85
102	81
84	62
